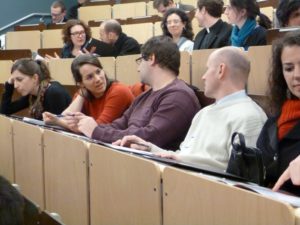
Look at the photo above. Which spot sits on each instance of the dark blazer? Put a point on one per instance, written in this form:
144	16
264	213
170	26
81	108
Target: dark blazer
219	36
285	151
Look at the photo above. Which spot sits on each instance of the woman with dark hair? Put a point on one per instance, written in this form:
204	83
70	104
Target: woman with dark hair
76	35
280	136
246	32
32	80
288	13
99	97
177	25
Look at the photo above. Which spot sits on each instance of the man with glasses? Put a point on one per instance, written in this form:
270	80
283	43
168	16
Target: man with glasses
58	12
111	33
162	114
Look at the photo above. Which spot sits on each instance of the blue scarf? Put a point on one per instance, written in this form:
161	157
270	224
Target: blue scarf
238	36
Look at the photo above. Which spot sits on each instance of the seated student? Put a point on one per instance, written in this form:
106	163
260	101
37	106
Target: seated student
162	6
208	141
162	114
280	137
32	80
99	97
73	11
11	204
215	33
58	12
288	13
77	37
246	32
177	25
111	33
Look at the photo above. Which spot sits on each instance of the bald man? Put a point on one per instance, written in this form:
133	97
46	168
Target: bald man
208	141
111	33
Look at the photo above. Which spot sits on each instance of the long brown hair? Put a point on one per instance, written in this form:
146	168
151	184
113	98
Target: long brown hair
30	67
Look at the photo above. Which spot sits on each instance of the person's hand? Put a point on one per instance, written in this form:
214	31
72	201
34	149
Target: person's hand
86	124
166	155
71	121
49	57
133	141
292	172
11	80
50	118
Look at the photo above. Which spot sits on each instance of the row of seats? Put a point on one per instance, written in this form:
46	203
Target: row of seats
53	38
87	184
191	70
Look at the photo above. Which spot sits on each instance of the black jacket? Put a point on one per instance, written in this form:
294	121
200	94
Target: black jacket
219	36
284	151
126	46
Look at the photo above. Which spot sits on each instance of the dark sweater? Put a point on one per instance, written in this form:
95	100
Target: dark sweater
126	46
162	117
56	99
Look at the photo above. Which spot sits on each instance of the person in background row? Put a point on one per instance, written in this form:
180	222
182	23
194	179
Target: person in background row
246	32
11	204
73	11
279	139
76	35
32	80
162	114
177	25
58	12
110	32
208	141
215	33
288	13
162	6
99	97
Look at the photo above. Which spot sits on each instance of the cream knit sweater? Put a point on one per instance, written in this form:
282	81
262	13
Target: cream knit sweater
208	141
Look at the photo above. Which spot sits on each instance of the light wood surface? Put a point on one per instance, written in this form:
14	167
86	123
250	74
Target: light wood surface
66	177
109	66
60	70
126	10
23	40
140	32
185	67
157	29
5	66
6	146
260	57
124	189
193	199
52	38
99	12
199	60
28	152
126	69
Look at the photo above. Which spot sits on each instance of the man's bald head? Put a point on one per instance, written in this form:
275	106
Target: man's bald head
236	61
110	31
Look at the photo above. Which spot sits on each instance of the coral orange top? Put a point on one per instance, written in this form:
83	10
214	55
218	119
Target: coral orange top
111	105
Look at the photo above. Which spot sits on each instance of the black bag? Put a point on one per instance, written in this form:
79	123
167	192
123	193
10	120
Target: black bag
246	162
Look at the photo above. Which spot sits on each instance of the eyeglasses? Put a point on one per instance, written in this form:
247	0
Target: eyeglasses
78	33
139	60
169	22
